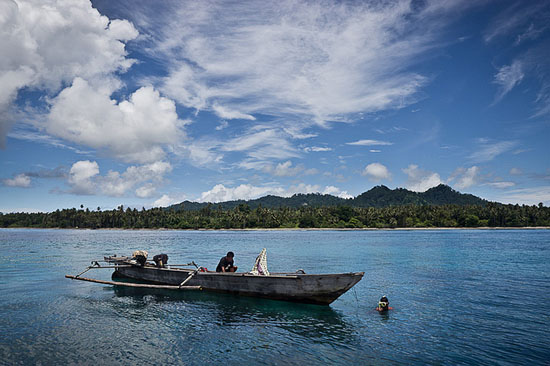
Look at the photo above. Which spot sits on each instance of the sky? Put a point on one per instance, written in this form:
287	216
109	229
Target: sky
145	104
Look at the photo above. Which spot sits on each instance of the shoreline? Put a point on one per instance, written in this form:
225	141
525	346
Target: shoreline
301	229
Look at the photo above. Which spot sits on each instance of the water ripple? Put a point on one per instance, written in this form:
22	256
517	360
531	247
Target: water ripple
460	297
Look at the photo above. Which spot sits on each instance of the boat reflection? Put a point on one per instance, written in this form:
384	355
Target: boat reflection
312	321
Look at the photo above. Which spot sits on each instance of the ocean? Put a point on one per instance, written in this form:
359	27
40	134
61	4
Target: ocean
459	297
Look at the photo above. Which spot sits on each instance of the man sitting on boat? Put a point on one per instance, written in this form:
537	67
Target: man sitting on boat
226	263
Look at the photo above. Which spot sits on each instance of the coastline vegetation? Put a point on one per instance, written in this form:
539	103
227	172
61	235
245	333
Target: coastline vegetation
244	217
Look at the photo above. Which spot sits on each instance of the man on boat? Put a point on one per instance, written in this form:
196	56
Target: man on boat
226	263
160	260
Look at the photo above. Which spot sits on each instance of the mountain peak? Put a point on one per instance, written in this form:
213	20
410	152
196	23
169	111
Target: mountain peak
441	188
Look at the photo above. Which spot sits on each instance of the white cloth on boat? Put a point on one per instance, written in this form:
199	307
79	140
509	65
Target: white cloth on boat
260	266
142	253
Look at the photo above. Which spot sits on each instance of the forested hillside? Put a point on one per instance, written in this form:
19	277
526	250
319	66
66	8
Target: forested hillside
379	207
379	196
245	217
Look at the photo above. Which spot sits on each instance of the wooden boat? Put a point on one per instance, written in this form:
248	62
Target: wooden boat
320	289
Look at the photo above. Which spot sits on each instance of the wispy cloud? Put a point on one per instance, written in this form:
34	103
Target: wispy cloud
43	138
262	145
541	176
490	150
59	172
525	23
507	77
527	196
501	185
393	129
226	113
465	178
302	64
317	149
521	20
369	143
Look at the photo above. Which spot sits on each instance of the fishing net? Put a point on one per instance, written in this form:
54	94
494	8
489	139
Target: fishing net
140	256
142	253
260	266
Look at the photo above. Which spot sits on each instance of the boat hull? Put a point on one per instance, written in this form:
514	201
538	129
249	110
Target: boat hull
320	289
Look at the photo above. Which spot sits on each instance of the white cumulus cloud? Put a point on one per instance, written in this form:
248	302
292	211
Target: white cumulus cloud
80	177
46	43
221	193
335	191
168	200
148	190
134	130
20	180
84	178
420	180
376	172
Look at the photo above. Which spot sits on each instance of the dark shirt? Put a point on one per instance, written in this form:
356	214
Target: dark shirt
160	258
224	262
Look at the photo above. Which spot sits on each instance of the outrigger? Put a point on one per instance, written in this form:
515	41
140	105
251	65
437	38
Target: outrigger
320	289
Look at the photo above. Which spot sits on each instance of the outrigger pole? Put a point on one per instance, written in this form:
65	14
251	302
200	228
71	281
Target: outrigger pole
128	284
96	265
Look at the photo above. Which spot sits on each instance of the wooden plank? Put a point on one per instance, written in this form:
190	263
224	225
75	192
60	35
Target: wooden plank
128	284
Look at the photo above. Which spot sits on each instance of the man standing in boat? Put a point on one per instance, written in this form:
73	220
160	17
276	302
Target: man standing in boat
226	263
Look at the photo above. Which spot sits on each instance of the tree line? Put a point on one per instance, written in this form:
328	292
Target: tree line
245	217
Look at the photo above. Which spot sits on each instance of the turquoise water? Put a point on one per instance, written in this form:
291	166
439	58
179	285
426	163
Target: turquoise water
459	297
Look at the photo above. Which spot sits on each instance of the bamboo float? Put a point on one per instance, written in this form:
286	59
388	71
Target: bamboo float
140	285
188	278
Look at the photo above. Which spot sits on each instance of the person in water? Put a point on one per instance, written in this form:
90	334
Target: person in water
384	304
226	263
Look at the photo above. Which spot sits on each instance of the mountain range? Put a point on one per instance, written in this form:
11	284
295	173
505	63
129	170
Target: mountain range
379	196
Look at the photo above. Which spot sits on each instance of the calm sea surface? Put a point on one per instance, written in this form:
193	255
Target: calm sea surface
459	297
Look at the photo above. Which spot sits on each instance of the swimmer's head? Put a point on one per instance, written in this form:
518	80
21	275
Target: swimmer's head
383	303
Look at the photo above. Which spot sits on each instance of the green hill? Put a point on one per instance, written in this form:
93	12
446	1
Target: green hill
379	196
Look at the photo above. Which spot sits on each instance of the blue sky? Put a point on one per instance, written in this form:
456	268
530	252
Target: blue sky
147	103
